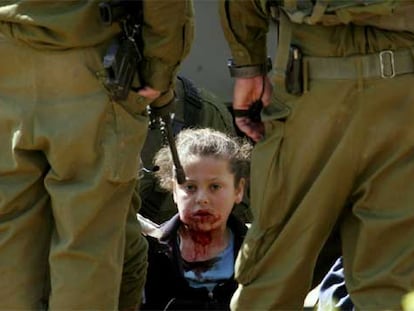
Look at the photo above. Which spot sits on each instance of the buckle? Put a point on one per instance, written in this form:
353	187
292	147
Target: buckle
387	64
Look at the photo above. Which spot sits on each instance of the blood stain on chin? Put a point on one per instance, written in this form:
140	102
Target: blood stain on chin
202	238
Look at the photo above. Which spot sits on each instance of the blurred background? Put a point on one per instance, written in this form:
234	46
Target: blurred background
206	65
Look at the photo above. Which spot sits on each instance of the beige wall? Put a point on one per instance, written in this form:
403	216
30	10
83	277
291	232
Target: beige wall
206	64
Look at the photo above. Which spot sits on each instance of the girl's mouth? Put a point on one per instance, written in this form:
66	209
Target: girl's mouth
202	216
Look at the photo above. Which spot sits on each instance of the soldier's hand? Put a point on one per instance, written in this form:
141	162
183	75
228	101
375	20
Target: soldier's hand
149	93
249	94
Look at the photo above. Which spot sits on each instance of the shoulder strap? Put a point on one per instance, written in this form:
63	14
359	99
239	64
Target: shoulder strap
282	51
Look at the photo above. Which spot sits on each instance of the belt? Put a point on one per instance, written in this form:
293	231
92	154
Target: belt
385	64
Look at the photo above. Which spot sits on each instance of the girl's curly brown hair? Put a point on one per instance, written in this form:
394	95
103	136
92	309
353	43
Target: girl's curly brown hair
204	142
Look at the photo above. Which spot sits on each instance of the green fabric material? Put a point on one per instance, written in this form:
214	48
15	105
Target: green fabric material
54	25
168	33
135	260
245	25
347	40
337	11
337	157
404	22
339	147
61	25
342	154
375	65
68	163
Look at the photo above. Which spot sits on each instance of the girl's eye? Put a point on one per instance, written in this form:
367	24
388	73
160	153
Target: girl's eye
190	188
215	186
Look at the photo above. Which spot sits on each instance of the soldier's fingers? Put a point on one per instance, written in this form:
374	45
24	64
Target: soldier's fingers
149	92
254	130
267	93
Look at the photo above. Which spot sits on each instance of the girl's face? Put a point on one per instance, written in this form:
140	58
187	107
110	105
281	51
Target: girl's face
207	197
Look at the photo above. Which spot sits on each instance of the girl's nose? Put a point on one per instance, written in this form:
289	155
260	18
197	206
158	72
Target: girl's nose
202	198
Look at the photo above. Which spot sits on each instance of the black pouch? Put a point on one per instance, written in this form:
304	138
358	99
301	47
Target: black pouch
294	79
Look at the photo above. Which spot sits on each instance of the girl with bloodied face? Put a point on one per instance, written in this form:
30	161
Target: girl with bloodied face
191	258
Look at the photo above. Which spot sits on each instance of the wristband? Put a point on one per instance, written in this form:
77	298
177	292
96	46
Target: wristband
249	71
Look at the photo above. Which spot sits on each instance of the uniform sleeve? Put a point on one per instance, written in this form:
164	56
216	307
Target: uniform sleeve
167	35
245	25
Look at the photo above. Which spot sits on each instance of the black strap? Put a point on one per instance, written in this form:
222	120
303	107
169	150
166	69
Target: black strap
253	113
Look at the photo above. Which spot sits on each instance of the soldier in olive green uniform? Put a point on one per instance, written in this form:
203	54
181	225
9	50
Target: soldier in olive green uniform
69	153
195	107
335	147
